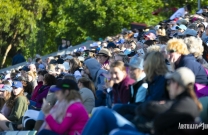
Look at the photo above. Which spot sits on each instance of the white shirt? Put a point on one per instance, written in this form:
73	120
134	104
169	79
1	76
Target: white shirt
179	13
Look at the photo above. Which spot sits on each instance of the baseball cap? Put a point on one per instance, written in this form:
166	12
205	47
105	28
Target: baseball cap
104	52
151	36
183	76
65	84
136	62
182	27
190	32
6	88
25	68
17	84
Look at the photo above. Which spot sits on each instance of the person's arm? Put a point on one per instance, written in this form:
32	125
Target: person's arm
70	118
17	110
141	93
40	96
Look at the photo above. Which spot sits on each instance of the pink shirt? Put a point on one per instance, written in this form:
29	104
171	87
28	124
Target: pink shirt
73	122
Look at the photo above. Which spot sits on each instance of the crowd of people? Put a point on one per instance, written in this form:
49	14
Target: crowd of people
141	81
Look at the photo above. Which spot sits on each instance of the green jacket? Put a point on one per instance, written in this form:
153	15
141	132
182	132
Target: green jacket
20	106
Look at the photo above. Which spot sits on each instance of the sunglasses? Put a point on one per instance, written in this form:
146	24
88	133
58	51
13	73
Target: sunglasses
171	51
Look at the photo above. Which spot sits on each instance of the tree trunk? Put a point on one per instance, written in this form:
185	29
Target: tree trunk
8	49
5	55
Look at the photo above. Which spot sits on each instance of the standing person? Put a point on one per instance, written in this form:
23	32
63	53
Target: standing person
75	68
121	81
68	116
181	12
18	104
63	46
87	91
18	58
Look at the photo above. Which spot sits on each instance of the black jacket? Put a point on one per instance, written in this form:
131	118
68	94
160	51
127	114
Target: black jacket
184	110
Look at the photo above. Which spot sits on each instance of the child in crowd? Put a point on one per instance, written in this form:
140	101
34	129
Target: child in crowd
68	116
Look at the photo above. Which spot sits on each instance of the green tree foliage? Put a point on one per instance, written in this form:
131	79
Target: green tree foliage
36	26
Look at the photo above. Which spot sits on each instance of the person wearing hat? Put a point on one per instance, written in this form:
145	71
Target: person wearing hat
24	70
103	57
64	117
5	94
185	107
18	104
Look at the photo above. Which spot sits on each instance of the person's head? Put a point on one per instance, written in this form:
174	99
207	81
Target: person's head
201	27
32	67
194	45
17	88
49	79
87	83
153	48
41	75
103	56
74	64
5	92
19	51
91	66
118	71
38	60
66	90
31	76
154	65
63	41
176	48
182	81
136	68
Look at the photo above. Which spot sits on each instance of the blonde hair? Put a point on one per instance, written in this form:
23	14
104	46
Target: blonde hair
154	65
153	48
177	45
194	45
161	32
33	74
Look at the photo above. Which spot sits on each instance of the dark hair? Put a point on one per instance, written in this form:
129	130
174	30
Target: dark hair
149	42
49	79
75	65
28	88
88	84
38	59
19	51
42	72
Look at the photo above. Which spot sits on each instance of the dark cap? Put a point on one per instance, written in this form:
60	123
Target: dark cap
25	68
66	84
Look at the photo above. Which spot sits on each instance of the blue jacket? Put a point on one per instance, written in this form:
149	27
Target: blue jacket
18	58
156	89
190	62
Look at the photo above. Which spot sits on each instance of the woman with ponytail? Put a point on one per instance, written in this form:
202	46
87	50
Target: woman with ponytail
185	108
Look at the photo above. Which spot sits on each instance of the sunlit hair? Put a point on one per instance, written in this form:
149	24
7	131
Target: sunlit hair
161	32
154	65
118	64
74	64
194	46
32	74
153	48
177	45
87	83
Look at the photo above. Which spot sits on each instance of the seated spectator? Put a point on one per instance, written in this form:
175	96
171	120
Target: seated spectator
184	109
32	79
64	117
48	80
87	91
75	68
180	56
27	86
5	94
196	48
18	104
40	84
103	57
122	82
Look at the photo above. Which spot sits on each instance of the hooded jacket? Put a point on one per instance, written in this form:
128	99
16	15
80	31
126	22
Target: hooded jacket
190	62
96	72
